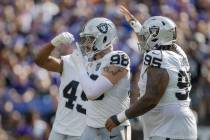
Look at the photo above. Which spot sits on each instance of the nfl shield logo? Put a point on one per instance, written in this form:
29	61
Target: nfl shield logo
103	27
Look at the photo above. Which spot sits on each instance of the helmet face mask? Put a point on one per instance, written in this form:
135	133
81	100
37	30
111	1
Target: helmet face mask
86	43
141	43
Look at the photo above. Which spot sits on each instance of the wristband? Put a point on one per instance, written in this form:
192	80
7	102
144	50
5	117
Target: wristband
115	120
121	117
136	25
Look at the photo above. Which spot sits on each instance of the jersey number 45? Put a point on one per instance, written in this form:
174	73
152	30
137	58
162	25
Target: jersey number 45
69	92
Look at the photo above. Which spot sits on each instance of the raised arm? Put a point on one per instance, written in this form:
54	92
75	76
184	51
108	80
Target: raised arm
50	63
134	23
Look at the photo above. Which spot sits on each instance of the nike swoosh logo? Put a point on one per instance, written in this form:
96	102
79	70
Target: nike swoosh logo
111	137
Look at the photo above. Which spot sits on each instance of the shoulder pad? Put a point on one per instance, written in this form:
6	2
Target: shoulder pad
118	58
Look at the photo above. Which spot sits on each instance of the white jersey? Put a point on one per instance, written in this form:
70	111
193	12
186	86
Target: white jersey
114	100
70	116
172	117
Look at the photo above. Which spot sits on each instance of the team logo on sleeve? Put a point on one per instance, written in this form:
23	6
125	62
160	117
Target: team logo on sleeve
103	27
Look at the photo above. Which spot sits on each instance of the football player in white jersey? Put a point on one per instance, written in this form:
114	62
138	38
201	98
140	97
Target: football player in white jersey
164	83
70	116
105	80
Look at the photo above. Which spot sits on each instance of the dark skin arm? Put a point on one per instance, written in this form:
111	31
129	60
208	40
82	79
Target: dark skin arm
50	63
157	81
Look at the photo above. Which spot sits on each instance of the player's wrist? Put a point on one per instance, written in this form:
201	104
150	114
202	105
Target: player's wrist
64	38
122	117
135	24
55	42
119	118
53	45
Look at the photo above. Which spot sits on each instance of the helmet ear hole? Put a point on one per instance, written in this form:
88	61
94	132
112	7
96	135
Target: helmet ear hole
105	39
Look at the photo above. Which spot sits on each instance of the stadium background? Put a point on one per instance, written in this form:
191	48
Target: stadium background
28	94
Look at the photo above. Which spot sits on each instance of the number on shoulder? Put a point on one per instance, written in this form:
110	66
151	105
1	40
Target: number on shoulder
120	59
153	58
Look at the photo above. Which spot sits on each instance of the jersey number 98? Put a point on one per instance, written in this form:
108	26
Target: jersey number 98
119	59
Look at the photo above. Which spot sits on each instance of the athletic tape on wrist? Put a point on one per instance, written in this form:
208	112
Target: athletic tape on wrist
121	117
136	25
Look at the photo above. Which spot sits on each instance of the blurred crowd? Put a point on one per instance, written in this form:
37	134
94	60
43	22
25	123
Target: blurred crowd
28	94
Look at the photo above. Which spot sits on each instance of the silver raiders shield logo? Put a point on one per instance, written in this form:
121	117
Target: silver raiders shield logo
103	27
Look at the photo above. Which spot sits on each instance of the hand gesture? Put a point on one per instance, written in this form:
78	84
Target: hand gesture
128	16
64	38
134	23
